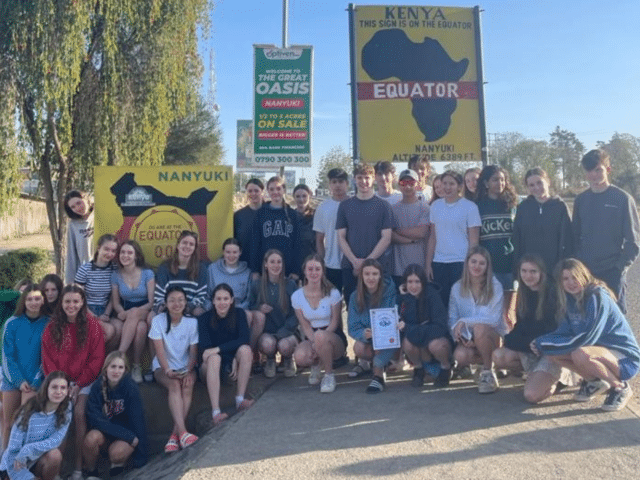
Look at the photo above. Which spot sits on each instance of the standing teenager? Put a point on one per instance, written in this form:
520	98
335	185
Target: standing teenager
73	343
40	427
276	226
79	208
302	196
606	229
471	176
542	225
243	218
497	207
115	417
455	227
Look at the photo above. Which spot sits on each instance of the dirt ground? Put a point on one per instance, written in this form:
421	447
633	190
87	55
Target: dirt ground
42	240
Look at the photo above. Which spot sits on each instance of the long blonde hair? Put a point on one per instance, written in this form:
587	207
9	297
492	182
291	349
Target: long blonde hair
193	267
105	382
584	277
486	291
544	292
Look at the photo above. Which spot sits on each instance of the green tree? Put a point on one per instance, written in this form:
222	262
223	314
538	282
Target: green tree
530	153
336	157
96	83
624	150
501	150
569	149
195	139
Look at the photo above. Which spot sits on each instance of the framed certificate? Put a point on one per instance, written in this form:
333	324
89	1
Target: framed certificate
384	328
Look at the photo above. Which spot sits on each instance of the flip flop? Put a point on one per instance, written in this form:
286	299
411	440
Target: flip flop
172	445
187	439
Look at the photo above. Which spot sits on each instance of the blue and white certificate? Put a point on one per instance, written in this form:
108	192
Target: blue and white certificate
384	328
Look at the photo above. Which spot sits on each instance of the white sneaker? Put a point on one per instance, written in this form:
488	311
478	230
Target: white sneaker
328	384
488	382
314	375
270	368
136	373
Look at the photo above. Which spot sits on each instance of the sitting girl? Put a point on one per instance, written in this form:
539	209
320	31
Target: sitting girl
593	338
318	307
423	322
535	316
95	278
374	290
115	417
132	289
175	338
51	286
224	349
270	301
475	316
40	427
73	343
21	358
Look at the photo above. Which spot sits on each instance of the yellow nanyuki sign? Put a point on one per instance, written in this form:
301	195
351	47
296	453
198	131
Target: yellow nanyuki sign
153	205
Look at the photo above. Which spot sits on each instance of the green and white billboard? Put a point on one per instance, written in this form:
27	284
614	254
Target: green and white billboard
282	105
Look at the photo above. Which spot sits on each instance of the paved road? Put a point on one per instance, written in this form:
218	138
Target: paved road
293	431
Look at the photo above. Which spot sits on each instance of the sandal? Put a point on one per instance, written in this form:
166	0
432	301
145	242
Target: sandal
172	445
219	418
376	385
187	439
358	371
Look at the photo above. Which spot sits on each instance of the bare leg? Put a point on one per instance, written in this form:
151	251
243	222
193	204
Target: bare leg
139	341
176	404
329	346
120	451
80	422
441	349
10	403
304	355
257	327
592	362
486	340
93	442
506	358
187	393
48	465
539	385
210	371
244	358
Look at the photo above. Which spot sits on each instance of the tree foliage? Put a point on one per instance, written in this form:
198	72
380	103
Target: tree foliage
624	150
96	83
336	157
195	139
570	150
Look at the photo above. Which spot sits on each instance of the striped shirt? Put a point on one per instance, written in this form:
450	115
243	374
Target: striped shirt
96	281
196	290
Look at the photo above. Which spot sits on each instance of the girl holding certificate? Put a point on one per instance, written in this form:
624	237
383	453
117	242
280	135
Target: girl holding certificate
373	291
475	316
318	306
423	322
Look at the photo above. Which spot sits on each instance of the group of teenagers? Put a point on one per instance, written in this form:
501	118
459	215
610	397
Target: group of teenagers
477	279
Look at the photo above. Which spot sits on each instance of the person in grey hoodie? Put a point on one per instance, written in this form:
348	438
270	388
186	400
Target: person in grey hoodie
79	208
231	270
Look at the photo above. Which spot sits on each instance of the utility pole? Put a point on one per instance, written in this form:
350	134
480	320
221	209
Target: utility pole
285	41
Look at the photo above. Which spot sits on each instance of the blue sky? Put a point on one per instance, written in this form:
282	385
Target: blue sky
546	63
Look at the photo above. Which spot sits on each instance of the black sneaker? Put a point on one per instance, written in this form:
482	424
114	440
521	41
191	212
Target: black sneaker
340	362
376	385
589	389
418	378
115	471
617	399
443	378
